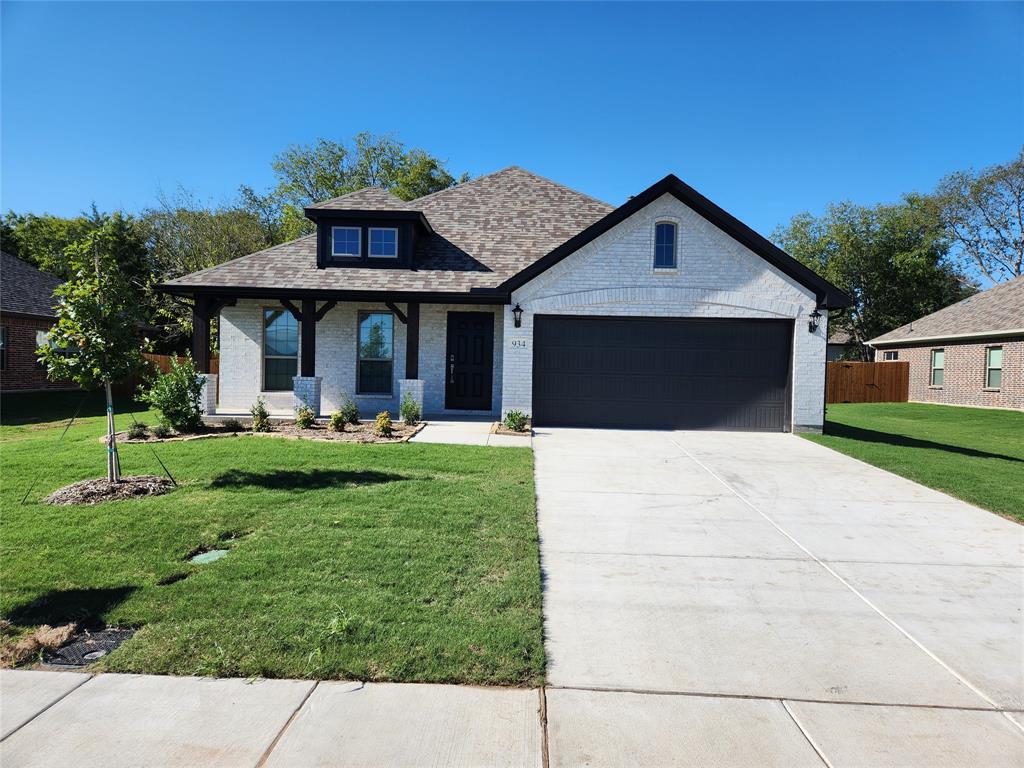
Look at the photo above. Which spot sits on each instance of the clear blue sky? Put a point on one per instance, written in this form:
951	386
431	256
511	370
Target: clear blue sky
768	109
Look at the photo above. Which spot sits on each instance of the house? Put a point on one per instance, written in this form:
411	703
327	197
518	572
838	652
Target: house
842	346
26	315
970	353
512	292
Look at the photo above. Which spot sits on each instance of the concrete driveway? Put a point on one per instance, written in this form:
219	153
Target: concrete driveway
736	599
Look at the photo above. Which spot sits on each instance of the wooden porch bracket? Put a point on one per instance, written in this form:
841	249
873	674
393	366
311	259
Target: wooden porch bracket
325	309
398	313
293	309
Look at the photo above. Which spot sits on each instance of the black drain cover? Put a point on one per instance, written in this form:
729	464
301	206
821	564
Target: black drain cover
87	647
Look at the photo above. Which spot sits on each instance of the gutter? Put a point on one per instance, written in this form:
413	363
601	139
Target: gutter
945	337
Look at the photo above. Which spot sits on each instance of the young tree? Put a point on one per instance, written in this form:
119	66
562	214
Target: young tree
891	259
94	341
984	215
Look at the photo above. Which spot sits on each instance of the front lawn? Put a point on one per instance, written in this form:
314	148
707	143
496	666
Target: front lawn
377	562
974	454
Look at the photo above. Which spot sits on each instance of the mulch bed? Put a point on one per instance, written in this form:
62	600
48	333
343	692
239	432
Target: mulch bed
101	489
500	429
354	433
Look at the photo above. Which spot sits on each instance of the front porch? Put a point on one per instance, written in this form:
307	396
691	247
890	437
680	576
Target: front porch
322	352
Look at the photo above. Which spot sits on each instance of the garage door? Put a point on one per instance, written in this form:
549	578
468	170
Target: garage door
647	372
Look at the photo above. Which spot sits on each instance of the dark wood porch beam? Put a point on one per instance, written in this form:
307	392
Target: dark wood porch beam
398	313
308	319
201	334
412	341
325	309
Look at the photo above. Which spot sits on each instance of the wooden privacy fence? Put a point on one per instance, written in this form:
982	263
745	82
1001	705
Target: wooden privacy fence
163	364
867	382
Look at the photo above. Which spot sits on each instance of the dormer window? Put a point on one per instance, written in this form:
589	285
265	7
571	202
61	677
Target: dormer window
346	242
383	243
664	245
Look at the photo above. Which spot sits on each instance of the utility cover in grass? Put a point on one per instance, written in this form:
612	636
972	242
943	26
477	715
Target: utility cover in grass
101	489
86	647
208	557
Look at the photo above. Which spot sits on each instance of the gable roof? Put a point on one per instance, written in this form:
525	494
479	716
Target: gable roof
999	311
828	295
490	235
24	290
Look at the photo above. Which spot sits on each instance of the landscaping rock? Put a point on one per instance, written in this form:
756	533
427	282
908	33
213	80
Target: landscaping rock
101	489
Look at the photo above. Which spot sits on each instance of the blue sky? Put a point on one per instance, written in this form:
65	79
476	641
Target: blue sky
768	109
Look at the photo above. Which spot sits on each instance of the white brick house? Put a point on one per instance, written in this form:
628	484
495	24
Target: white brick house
511	292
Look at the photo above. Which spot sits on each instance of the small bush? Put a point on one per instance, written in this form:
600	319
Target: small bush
349	410
516	421
137	431
161	431
410	410
232	425
337	422
383	426
260	416
304	417
178	395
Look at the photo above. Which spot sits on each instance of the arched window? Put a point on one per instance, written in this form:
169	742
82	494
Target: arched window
664	245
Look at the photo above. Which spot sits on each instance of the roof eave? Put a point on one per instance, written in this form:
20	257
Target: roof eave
472	296
903	341
313	214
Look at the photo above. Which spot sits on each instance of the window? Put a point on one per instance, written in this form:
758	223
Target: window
346	241
41	341
376	353
280	350
664	245
938	367
890	355
3	348
994	367
383	243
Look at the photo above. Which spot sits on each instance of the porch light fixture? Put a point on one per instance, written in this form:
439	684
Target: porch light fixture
813	320
517	315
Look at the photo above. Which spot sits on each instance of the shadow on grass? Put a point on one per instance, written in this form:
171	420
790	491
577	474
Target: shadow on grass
888	438
86	607
301	480
36	407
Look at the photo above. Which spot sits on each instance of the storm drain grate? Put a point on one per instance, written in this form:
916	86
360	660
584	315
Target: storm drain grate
87	647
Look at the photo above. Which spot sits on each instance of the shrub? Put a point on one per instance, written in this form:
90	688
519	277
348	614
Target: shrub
337	422
178	395
137	431
382	427
260	416
304	417
232	425
516	421
161	431
349	410
410	410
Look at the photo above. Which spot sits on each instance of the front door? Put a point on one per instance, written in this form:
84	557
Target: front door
470	362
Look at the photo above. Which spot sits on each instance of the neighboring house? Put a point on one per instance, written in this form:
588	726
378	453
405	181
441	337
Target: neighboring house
26	315
512	292
841	346
970	353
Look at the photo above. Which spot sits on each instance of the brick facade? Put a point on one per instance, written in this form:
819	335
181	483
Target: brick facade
964	375
21	372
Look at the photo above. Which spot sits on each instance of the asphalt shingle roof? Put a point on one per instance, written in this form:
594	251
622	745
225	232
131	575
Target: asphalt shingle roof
485	231
998	309
24	289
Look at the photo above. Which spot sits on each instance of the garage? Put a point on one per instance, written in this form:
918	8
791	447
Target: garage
661	373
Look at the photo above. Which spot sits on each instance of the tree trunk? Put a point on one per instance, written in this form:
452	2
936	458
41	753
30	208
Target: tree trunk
113	461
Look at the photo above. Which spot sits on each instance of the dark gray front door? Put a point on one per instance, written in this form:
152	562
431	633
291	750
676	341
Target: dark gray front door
470	361
661	373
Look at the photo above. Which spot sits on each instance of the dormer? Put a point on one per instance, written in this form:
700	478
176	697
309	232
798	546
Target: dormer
384	239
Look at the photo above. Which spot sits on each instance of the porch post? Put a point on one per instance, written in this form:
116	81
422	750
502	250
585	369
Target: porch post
308	337
411	384
201	334
306	386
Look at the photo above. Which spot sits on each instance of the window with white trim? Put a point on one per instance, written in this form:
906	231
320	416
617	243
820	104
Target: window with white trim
891	355
383	243
665	245
346	242
938	367
280	350
993	367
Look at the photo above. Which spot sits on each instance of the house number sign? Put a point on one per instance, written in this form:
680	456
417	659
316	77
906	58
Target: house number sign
520	343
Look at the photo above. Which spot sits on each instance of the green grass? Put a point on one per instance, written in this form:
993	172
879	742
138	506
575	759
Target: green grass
377	562
974	454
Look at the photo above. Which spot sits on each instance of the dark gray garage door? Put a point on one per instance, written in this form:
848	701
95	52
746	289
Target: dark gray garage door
647	372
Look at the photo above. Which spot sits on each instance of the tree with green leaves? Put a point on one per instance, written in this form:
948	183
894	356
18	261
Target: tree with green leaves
893	260
94	341
984	217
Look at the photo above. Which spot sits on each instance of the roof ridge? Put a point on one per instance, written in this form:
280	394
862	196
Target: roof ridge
575	191
506	169
463	185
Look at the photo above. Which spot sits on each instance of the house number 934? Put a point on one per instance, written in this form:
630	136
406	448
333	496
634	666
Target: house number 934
521	343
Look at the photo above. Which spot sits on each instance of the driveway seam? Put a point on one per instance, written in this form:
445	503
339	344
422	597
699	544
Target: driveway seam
545	755
48	706
799	725
266	753
963	680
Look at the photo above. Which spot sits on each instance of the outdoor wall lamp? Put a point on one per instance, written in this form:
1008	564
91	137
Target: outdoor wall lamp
813	320
517	315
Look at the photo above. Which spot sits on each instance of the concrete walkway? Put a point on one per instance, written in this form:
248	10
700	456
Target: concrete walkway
468	432
748	599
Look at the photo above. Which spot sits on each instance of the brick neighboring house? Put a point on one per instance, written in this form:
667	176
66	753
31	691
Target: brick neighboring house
970	353
26	314
512	292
